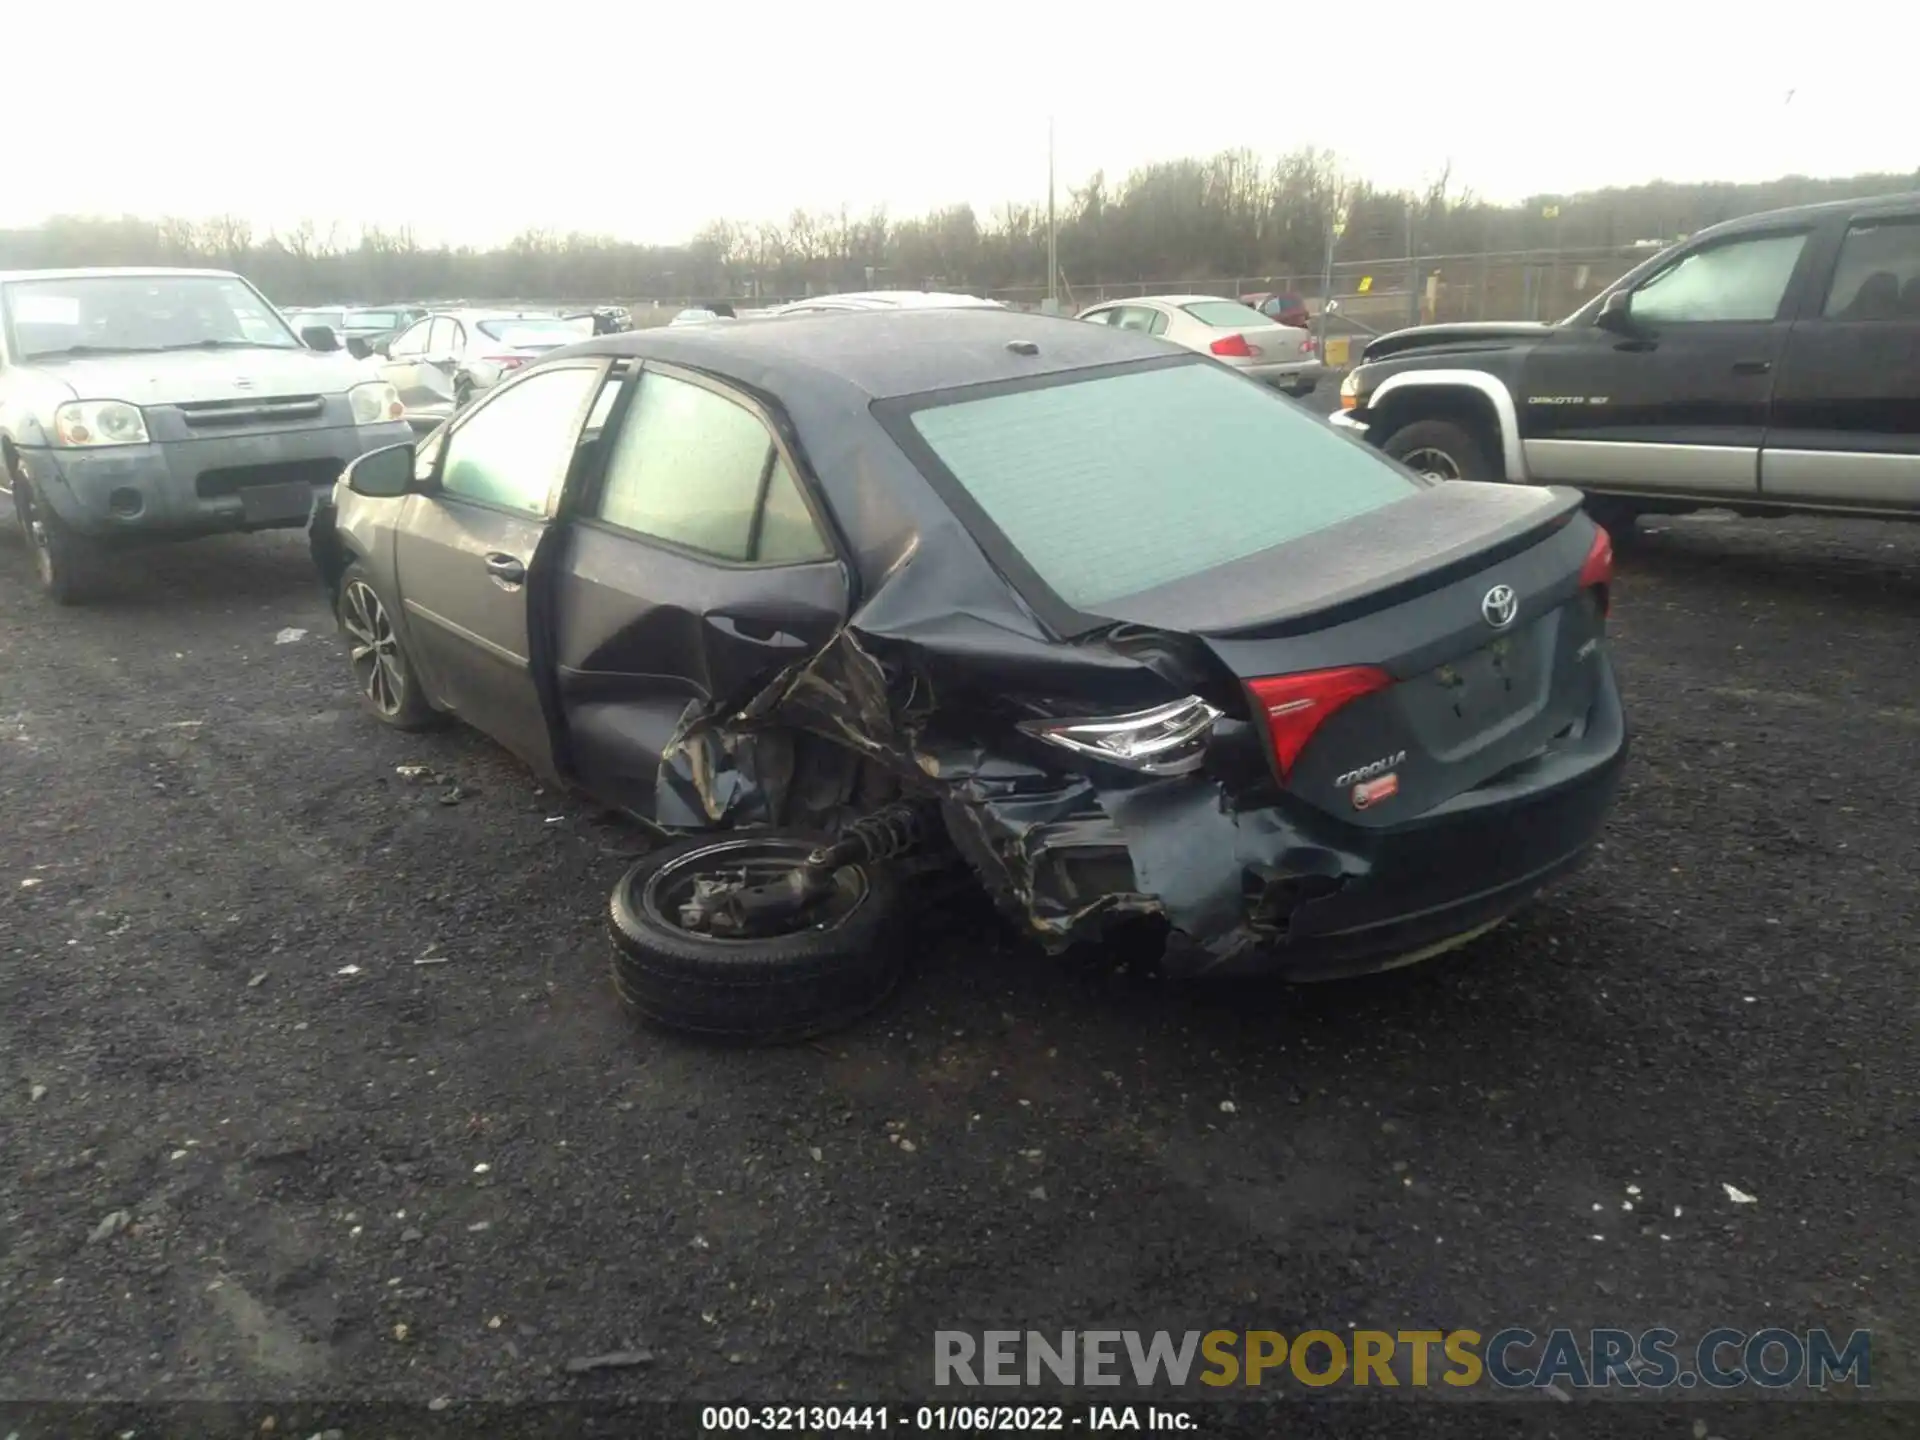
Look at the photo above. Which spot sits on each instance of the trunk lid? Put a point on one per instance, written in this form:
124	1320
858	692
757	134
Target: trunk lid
1475	617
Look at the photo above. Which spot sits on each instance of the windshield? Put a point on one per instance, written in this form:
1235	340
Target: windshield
530	333
1227	314
139	312
1111	486
380	320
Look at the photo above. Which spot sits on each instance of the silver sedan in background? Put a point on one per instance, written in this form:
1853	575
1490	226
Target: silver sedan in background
438	364
1256	345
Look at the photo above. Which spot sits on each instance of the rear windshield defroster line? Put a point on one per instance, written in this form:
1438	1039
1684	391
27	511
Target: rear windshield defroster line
1106	483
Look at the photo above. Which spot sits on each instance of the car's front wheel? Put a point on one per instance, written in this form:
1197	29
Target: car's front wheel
820	970
68	565
382	670
1440	450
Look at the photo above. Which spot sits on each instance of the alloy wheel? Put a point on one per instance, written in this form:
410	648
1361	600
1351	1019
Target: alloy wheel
1432	463
375	653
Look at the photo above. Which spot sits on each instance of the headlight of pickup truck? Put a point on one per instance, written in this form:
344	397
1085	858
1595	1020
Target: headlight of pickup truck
99	422
375	403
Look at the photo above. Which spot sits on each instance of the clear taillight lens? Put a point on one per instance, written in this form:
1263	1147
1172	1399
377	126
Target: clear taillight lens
1166	740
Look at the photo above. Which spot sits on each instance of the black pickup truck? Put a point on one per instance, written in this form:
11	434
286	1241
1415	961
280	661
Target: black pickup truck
1768	365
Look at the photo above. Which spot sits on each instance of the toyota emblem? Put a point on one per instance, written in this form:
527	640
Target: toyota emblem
1500	606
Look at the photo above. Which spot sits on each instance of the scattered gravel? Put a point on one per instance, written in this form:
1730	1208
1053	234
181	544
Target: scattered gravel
203	811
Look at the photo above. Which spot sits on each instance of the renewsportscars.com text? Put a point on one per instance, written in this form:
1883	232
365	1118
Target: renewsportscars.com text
1508	1359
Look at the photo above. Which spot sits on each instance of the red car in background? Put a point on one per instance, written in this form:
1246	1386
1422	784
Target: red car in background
1287	309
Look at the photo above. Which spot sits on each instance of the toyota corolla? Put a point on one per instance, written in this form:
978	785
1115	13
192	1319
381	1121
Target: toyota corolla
1122	631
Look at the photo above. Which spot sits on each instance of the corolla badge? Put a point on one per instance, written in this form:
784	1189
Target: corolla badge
1499	606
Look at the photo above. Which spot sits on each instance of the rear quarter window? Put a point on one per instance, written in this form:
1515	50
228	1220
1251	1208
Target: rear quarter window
1117	484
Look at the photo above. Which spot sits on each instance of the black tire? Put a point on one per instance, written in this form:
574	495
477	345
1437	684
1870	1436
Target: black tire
1619	518
383	672
769	991
68	565
1435	447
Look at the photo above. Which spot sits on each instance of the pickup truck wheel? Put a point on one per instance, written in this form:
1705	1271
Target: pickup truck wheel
1441	449
1619	518
831	965
382	670
67	564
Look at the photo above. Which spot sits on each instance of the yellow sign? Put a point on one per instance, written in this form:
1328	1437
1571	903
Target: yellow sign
1551	212
1366	284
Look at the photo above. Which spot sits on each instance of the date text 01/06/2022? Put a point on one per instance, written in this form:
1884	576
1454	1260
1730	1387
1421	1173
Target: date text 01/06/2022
960	1419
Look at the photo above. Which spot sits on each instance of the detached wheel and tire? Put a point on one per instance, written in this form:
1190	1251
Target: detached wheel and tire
1441	449
68	565
382	670
839	959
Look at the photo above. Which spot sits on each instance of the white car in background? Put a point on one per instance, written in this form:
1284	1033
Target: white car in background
1256	345
438	364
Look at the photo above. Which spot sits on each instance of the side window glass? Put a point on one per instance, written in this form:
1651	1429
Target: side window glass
1741	280
1878	277
1133	317
1101	317
414	342
603	406
516	447
1158	326
688	466
788	534
443	340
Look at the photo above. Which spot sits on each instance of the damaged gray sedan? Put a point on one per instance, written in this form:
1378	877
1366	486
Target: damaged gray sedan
1125	633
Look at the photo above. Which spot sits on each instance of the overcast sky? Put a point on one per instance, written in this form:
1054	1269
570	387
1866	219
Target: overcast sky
475	120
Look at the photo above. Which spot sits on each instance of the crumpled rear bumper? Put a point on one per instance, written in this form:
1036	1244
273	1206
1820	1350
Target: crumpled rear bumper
1272	891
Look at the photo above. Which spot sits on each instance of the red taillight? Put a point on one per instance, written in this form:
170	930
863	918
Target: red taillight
507	362
1234	345
1307	346
1294	706
1597	571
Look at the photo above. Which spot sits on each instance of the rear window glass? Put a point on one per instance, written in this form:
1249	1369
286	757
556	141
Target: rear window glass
375	319
1111	486
1226	314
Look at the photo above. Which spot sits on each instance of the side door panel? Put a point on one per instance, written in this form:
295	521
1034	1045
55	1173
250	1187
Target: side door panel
1845	427
643	632
468	549
1680	406
648	621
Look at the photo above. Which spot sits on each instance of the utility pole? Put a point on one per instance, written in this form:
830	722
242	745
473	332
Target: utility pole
1053	239
1551	214
1413	270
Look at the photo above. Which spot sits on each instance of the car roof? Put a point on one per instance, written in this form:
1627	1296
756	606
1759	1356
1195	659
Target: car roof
894	300
117	272
883	354
1867	207
1170	301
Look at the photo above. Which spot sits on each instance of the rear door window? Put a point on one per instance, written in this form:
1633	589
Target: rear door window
1878	277
1114	485
693	468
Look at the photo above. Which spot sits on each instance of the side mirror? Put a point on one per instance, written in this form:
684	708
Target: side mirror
358	348
382	474
1616	313
319	337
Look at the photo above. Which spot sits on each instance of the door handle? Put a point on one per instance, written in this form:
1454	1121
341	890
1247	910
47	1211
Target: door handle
1752	367
507	569
759	632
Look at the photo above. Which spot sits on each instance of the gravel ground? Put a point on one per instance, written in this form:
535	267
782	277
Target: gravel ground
256	1146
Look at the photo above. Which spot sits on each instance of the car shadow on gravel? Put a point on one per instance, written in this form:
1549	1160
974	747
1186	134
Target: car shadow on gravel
228	569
